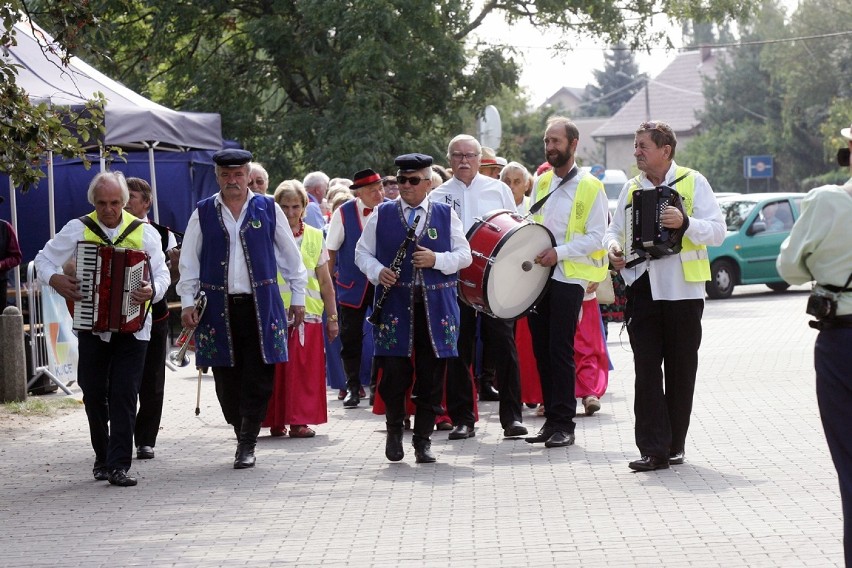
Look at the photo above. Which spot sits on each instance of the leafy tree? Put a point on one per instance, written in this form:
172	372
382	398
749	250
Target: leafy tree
616	84
29	129
342	85
785	99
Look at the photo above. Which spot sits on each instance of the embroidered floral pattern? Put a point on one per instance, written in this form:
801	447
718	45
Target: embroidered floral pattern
279	336
451	329
205	342
387	332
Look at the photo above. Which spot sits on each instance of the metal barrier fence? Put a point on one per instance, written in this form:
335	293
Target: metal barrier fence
38	340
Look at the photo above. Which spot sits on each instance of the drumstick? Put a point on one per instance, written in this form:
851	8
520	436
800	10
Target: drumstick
198	396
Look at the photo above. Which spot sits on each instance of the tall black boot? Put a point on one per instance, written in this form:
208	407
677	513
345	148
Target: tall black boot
249	429
423	449
393	445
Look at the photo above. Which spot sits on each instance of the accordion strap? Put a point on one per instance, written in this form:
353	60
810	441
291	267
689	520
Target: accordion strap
838	289
96	229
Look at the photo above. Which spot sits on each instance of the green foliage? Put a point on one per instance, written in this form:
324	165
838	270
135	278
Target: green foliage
338	86
786	99
616	83
29	129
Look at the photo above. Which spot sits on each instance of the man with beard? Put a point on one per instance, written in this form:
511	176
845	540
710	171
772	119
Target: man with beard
473	195
574	208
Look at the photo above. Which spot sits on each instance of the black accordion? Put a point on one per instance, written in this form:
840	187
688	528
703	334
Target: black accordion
647	237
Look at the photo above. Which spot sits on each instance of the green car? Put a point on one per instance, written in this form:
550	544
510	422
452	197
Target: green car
757	225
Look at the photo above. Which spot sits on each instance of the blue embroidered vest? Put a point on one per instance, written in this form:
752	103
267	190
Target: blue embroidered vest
214	343
394	335
350	284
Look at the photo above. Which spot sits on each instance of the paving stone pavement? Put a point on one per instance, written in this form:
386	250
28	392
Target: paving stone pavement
758	487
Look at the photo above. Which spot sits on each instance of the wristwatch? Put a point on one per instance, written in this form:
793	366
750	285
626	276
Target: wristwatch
332	317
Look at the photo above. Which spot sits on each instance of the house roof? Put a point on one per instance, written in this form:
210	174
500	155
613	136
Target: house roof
574	92
674	96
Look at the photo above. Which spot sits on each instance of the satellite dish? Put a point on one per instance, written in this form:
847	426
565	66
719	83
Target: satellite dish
490	127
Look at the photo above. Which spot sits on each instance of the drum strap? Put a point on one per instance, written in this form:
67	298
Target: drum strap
539	204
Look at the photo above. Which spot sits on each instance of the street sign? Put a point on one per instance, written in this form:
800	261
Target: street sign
598	171
758	167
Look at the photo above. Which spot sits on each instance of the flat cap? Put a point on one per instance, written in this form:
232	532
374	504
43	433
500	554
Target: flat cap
411	162
232	157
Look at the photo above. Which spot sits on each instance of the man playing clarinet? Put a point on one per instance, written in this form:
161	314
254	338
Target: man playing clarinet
110	367
418	308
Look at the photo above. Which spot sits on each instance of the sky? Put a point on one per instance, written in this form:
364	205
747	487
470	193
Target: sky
544	71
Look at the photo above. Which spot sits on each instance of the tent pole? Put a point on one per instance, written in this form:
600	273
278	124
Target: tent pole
153	172
13	206
50	194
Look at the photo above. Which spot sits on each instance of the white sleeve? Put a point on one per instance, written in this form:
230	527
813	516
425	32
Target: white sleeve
190	266
58	250
365	251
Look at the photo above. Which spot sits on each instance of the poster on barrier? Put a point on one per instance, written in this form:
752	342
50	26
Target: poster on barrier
60	341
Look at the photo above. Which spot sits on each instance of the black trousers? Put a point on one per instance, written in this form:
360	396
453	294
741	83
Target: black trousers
399	372
552	327
244	389
498	342
152	390
109	374
352	339
833	363
665	337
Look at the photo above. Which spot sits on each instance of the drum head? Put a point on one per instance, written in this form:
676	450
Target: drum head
515	282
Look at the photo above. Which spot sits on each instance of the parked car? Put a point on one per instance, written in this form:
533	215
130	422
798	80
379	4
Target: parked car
613	181
757	225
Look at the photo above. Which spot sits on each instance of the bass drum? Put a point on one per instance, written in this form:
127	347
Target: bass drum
504	281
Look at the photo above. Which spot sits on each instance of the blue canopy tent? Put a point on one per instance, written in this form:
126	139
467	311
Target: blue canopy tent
170	140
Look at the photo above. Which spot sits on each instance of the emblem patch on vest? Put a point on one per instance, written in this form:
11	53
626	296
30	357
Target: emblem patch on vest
256	224
432	233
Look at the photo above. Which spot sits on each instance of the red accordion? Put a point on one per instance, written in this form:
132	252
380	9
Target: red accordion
108	275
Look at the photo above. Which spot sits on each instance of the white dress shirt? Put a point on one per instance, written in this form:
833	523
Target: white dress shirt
447	262
336	230
706	227
288	257
63	247
556	213
483	195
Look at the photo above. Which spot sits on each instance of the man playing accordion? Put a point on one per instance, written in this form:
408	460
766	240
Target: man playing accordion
110	367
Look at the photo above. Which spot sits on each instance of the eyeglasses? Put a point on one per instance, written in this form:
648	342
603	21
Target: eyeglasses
389	182
460	155
414	181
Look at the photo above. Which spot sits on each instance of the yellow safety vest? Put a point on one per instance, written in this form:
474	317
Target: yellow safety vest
693	257
134	240
594	266
311	250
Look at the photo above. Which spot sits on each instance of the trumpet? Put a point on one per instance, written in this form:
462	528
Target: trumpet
178	357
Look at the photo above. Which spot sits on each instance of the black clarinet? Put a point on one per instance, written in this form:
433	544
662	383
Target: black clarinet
396	266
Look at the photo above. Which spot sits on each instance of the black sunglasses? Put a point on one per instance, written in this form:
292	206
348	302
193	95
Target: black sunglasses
414	181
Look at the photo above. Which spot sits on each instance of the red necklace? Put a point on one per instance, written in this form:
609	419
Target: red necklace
301	230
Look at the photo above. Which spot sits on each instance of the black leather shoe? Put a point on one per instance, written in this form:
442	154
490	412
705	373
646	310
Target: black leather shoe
515	430
559	439
423	450
145	453
649	463
100	473
393	445
245	456
119	477
543	435
488	392
461	432
676	458
352	399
